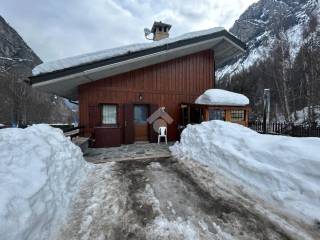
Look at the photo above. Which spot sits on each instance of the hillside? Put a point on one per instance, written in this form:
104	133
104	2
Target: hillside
13	50
279	34
259	25
20	103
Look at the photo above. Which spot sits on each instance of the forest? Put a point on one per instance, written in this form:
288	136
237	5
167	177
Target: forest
294	81
21	105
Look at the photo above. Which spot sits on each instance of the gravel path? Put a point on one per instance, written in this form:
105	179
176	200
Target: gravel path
156	200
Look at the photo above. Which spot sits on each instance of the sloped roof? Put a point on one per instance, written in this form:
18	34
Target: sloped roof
62	77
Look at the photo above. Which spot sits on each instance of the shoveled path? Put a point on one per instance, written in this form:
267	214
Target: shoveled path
136	151
157	200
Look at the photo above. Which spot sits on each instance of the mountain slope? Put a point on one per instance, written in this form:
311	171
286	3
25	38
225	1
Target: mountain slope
283	39
260	24
14	51
16	63
20	104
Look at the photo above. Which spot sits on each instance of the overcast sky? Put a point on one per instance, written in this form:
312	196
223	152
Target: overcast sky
61	28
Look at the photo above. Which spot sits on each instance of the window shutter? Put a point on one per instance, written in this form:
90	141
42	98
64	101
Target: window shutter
153	136
128	133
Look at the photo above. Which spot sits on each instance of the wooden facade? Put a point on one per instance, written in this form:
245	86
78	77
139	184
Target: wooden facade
165	84
197	113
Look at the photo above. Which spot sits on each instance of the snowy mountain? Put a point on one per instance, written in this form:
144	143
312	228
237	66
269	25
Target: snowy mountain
259	25
283	39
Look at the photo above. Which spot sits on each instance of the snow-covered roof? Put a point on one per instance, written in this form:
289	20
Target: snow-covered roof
220	97
62	77
52	66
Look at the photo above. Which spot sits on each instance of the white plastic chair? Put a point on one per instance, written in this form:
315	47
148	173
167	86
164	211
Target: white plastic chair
162	133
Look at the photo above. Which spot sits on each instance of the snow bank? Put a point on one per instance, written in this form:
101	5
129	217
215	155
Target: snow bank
40	171
284	171
221	97
114	52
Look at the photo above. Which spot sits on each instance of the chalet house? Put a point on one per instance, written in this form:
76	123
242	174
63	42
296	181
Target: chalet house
118	89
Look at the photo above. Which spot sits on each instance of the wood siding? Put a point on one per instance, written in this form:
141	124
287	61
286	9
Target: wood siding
166	85
228	110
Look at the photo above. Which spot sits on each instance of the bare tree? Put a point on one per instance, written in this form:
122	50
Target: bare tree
22	105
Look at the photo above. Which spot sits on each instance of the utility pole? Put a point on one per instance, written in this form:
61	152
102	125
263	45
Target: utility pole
266	110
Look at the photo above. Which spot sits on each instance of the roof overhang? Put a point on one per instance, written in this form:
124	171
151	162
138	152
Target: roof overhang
65	82
216	106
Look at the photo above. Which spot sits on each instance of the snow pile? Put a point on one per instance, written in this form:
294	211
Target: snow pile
219	97
114	52
40	171
284	171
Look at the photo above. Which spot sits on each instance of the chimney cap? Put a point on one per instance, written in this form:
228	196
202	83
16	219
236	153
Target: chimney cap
159	24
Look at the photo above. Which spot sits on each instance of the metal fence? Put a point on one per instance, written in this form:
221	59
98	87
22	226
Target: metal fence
287	128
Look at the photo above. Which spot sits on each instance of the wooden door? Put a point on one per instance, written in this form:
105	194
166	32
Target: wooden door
140	116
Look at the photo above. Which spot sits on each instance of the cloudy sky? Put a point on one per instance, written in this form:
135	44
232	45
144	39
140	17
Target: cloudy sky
61	28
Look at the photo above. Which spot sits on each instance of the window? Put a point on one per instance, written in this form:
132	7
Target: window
140	113
196	115
237	115
109	114
184	115
215	114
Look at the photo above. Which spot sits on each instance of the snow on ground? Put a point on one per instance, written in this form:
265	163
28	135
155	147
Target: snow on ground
109	53
156	200
220	97
284	171
40	172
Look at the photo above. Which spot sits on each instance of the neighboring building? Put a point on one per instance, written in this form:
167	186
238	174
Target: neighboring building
216	104
119	88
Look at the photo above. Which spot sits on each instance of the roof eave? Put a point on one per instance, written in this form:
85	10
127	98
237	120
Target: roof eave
57	82
47	76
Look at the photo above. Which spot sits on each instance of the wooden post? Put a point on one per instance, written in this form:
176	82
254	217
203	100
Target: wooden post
266	110
206	114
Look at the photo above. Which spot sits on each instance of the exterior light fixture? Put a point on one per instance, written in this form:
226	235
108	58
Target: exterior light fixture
140	97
